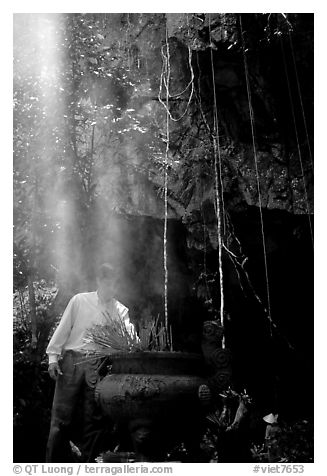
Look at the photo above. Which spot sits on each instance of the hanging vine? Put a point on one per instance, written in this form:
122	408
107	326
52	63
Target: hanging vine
257	172
297	134
218	189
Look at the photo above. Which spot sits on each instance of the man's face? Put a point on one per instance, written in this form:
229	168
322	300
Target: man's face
107	287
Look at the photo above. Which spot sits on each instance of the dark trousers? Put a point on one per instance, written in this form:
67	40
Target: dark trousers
75	388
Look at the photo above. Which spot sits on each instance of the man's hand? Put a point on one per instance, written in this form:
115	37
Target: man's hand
54	370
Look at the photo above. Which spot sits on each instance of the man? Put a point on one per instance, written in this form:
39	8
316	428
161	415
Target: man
75	373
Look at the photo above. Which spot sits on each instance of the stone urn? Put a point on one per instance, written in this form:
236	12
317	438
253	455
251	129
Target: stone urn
154	396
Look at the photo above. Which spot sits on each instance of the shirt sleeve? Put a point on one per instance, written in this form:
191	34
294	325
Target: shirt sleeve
129	324
123	311
62	332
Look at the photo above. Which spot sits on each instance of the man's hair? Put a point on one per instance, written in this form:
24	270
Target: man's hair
106	270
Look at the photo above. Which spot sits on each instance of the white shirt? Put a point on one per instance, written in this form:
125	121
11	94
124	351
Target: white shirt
83	311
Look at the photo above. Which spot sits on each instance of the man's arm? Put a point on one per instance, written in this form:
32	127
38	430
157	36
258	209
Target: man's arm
59	338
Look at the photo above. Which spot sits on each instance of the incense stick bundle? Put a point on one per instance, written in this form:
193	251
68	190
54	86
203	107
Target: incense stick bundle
115	335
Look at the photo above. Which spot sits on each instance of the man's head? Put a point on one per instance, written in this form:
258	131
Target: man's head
107	280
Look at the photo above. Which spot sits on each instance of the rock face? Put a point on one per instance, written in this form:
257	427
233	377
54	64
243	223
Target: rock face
226	65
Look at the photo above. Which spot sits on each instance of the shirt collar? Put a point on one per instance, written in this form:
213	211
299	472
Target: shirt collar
101	303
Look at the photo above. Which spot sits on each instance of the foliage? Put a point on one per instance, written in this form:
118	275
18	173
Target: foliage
296	441
32	384
44	296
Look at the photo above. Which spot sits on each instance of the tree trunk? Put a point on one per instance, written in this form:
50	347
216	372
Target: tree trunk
33	316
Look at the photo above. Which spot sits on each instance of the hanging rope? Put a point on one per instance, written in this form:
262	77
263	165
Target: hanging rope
297	138
167	69
164	80
218	188
199	99
268	310
128	42
204	227
290	29
239	259
300	94
205	270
